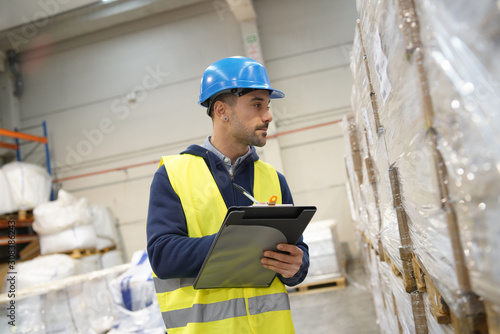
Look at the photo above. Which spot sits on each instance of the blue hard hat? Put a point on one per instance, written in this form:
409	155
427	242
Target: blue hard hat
235	73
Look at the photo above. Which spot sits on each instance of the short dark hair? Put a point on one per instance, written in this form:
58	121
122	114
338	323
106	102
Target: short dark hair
228	98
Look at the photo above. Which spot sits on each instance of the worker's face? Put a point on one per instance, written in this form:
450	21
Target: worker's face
250	118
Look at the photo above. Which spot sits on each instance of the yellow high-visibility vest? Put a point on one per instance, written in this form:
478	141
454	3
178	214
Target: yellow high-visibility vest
234	310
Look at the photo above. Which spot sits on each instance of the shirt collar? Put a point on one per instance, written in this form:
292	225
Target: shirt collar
225	160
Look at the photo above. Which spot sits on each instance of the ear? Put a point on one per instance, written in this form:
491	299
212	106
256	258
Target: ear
220	109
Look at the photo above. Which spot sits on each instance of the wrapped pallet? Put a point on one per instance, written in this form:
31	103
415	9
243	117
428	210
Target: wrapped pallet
464	72
433	76
408	147
399	300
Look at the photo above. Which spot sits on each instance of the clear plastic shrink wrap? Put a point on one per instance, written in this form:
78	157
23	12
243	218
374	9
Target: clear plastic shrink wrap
350	135
392	309
373	224
463	67
461	72
376	186
6	201
400	104
375	285
135	303
30	184
396	296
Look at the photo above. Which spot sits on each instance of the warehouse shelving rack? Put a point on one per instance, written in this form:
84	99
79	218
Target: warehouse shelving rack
28	138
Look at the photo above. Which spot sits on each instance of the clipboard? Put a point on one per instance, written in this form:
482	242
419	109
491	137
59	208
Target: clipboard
233	260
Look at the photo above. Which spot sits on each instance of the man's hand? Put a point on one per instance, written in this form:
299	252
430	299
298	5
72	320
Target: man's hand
285	264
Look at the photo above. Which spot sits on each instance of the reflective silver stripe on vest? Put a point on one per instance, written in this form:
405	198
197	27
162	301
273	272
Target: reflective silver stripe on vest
267	303
169	285
205	313
225	310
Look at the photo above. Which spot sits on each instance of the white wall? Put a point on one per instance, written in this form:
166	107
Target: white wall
80	89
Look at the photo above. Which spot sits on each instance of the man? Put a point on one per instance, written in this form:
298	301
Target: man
190	195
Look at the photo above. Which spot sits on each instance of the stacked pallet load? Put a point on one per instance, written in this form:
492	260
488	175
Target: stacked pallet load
423	150
23	186
86	232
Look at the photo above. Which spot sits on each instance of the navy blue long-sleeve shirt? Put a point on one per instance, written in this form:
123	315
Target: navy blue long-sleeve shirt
172	253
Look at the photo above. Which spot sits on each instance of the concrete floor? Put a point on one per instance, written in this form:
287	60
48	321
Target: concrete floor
336	311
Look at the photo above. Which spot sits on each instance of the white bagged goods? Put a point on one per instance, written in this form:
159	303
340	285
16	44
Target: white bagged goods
103	243
6	201
104	223
134	297
77	237
65	212
30	184
111	259
87	264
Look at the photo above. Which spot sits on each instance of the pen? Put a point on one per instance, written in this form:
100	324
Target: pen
246	193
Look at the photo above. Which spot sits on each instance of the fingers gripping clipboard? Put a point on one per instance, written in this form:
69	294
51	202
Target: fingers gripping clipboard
233	260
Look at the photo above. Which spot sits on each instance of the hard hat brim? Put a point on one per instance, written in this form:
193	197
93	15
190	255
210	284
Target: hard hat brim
273	94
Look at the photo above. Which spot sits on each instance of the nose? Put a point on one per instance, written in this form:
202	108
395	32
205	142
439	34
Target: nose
267	117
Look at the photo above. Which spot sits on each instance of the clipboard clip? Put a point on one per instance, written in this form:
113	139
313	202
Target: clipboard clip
272	201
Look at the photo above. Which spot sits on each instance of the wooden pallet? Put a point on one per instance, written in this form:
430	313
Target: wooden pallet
330	284
107	249
79	253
